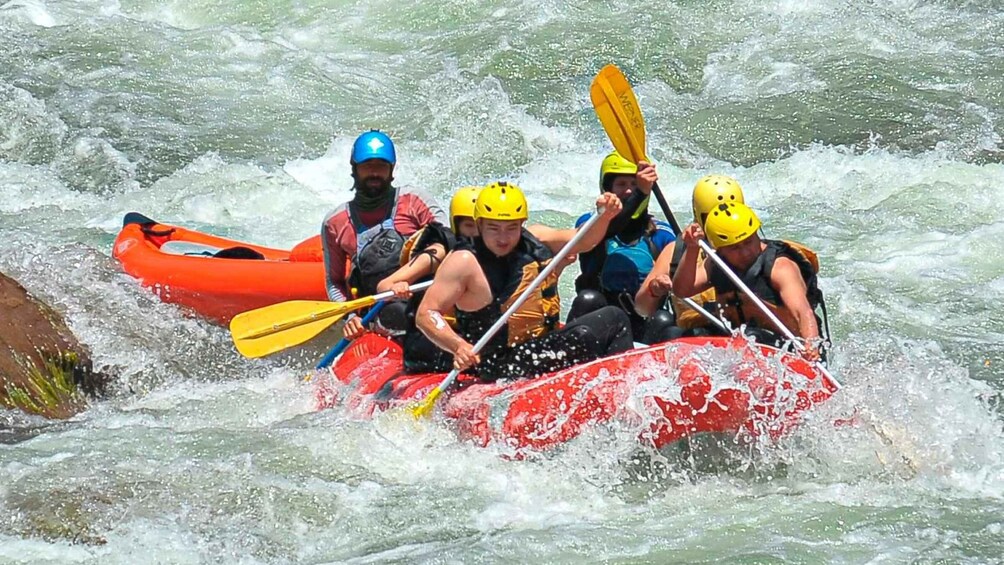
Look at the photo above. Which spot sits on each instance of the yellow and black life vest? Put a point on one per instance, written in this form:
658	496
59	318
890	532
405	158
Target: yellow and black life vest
416	246
508	277
419	242
737	308
686	317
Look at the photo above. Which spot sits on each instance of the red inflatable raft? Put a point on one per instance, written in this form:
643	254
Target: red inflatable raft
666	392
217	277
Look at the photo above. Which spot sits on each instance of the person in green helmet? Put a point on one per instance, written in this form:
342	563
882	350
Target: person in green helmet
612	272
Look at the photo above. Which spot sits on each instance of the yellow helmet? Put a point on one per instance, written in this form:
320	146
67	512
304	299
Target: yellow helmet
713	190
463	204
729	224
614	164
500	201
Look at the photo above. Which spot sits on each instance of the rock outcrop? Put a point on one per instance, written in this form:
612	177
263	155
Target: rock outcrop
43	368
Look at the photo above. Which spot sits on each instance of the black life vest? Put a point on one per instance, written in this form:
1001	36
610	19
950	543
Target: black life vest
507	278
757	278
378	252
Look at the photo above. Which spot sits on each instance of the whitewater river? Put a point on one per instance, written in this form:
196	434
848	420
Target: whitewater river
870	131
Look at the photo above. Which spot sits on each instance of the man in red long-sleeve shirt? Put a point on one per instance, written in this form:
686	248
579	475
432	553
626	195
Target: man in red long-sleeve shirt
370	229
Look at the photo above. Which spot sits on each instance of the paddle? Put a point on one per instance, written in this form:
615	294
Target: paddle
264	331
617	108
343	343
423	407
763	307
869	419
708	316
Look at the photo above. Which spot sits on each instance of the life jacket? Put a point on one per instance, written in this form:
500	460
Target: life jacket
686	317
416	246
627	264
378	252
757	278
508	277
420	241
592	263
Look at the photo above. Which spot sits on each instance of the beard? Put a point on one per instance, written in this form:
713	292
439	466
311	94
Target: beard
373	185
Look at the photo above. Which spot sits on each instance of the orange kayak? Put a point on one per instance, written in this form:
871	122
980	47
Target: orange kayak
216	277
664	392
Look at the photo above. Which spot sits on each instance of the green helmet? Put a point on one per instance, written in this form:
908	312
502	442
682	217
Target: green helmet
614	164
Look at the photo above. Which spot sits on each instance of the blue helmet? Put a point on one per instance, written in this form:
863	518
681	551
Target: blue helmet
373	145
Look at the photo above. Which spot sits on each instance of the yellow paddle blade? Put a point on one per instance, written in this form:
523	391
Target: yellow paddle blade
619	113
273	343
273	328
423	407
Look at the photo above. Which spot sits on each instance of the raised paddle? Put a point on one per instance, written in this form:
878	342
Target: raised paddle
267	330
424	406
759	303
617	108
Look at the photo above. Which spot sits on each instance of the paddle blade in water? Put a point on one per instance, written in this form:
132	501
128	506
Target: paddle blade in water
423	407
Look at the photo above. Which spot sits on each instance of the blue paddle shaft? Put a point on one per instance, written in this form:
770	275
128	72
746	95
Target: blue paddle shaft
343	344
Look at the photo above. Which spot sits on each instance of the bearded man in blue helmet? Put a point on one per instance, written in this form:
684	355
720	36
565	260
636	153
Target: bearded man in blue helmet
369	231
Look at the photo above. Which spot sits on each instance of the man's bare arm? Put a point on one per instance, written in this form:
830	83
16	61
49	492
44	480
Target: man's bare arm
422	265
449	285
657	284
690	277
787	280
555	239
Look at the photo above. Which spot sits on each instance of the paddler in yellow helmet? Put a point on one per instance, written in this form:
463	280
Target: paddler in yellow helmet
479	280
780	273
656	290
612	272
